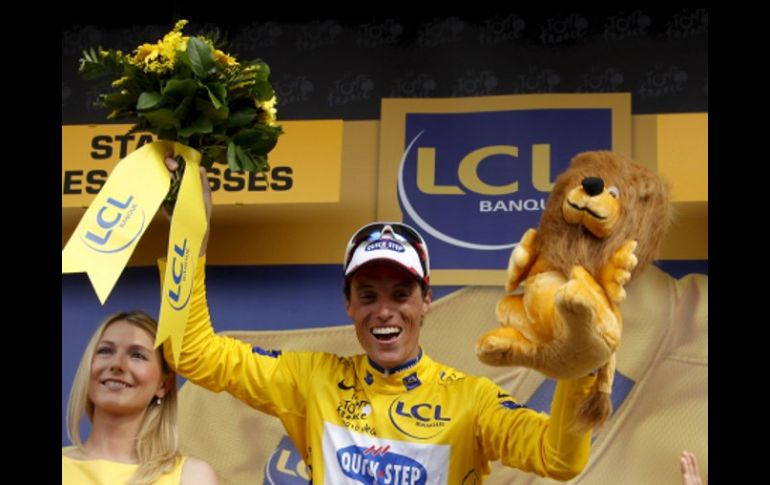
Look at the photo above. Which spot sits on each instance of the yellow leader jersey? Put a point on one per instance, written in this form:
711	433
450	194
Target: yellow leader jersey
354	422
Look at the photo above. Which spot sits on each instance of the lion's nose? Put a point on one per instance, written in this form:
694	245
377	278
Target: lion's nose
593	185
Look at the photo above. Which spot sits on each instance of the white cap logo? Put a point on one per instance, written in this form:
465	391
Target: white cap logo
389	246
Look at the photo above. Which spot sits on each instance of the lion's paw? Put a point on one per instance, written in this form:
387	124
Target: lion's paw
575	303
494	350
505	346
521	260
617	272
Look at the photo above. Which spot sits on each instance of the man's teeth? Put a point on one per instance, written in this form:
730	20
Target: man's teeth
386	331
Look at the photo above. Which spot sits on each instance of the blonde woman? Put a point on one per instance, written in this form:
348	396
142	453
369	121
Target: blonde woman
127	391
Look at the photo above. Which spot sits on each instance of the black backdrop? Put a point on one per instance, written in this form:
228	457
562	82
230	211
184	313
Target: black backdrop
339	66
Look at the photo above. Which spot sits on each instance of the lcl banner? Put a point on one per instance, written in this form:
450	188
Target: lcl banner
473	174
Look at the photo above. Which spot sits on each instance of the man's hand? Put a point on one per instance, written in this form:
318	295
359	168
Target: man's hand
172	165
689	466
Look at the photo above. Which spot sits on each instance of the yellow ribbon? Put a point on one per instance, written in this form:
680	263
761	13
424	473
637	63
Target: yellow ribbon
109	231
112	226
188	227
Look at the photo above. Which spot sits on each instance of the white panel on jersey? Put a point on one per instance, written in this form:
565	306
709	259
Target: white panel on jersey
355	459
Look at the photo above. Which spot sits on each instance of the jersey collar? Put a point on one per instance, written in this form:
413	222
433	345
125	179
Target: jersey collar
399	368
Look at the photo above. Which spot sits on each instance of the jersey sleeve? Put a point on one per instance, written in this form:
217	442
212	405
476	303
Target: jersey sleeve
529	440
268	380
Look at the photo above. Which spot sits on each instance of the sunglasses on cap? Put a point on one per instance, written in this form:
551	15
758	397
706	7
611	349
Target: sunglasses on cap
402	232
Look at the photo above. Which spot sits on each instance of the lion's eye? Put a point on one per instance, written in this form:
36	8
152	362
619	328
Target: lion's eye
613	191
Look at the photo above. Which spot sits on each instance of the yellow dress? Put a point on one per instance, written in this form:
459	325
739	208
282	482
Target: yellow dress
103	472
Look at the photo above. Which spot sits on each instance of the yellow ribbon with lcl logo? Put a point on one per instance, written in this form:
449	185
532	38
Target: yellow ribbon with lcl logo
113	224
110	229
188	226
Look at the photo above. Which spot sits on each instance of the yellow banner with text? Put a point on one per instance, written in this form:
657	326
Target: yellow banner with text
305	166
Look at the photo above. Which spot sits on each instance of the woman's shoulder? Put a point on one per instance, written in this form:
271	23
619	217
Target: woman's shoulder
197	472
72	452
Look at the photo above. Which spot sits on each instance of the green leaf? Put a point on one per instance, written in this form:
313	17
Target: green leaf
161	118
148	100
245	159
218	139
263	70
242	117
184	58
167	134
259	138
89	55
266	144
183	110
180	88
262	165
232	158
215	153
247	137
200	125
94	66
118	100
217	115
217	94
201	60
262	90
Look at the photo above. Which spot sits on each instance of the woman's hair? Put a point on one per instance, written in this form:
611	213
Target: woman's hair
156	443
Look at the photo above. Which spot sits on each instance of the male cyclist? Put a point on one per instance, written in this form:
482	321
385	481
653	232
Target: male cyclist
390	415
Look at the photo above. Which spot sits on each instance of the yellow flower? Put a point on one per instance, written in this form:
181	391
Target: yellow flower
223	58
143	52
172	42
159	58
179	25
119	82
269	104
268	112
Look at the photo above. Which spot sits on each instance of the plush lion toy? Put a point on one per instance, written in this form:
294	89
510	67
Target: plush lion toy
603	223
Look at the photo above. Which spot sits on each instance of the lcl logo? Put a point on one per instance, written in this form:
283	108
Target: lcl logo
471	182
113	215
421	420
179	275
468	171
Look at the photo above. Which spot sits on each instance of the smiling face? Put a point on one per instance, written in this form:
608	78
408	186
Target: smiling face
585	222
126	373
387	307
597	212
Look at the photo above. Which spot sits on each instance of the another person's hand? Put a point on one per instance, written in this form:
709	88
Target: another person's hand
689	466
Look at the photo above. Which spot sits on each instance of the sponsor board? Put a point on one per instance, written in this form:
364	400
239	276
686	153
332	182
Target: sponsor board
305	166
474	174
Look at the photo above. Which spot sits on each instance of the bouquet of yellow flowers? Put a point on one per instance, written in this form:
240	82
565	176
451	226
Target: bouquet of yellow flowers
185	89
